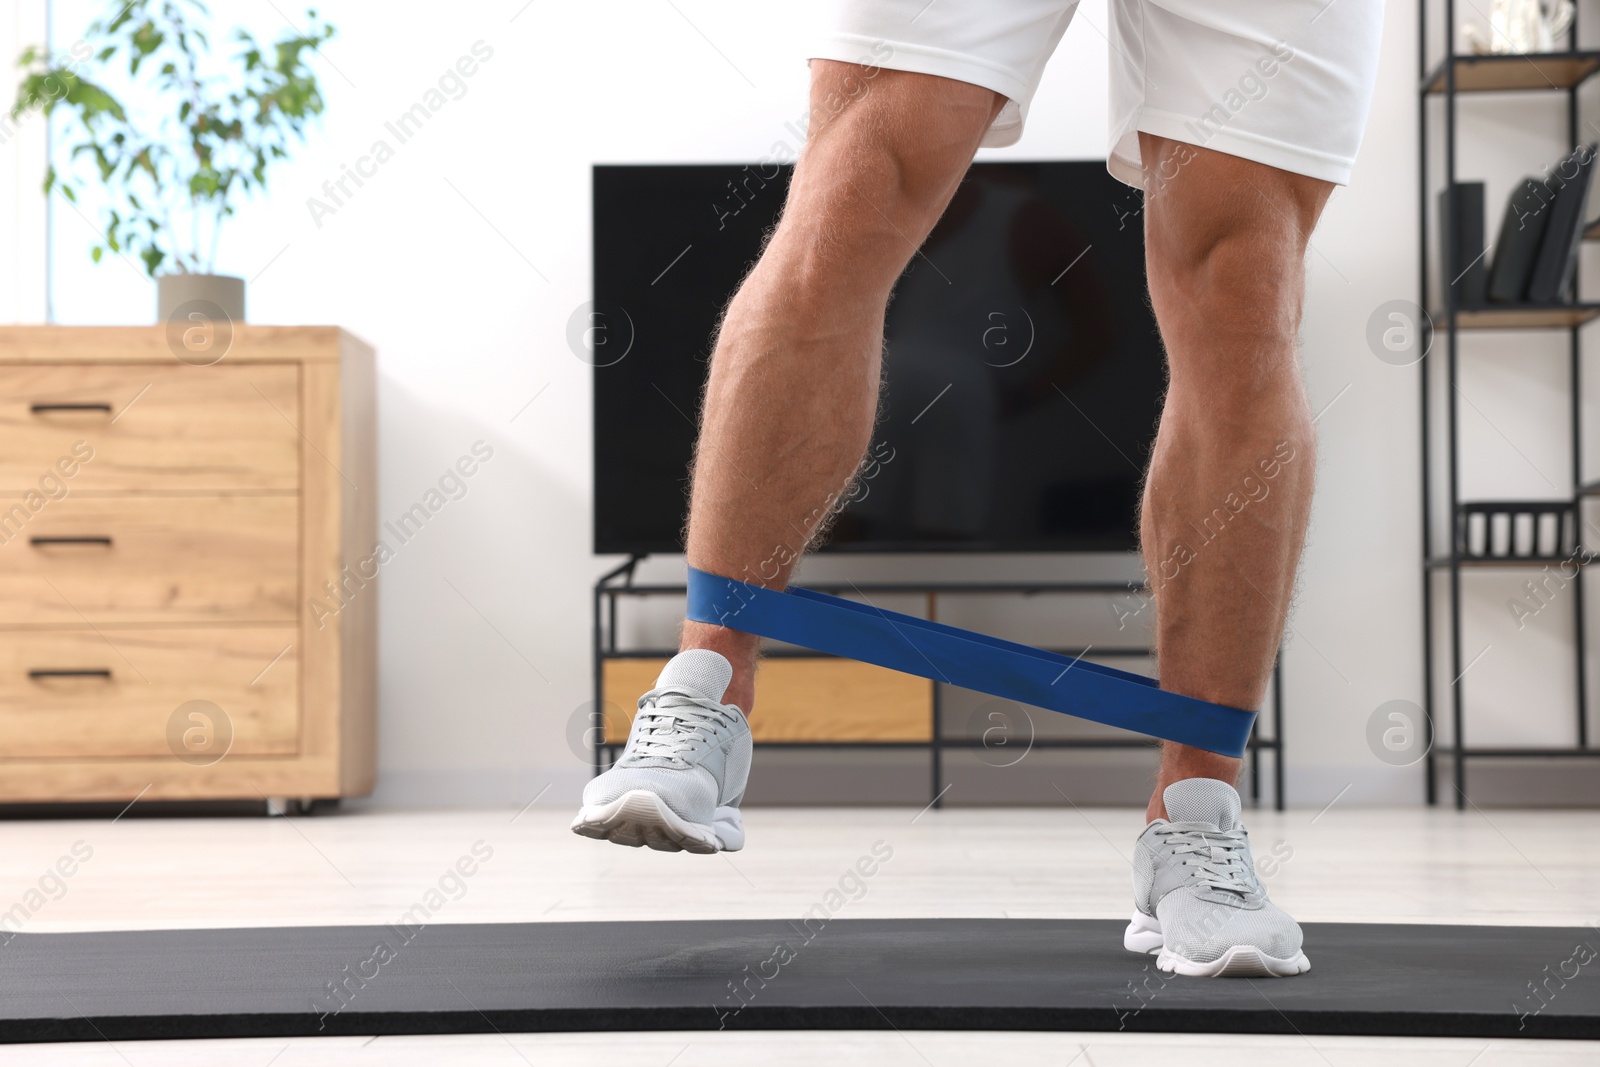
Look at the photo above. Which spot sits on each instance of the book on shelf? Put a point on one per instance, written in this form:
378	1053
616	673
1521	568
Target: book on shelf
1558	253
1461	228
1516	250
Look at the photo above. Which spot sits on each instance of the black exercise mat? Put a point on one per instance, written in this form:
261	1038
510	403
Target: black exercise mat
966	974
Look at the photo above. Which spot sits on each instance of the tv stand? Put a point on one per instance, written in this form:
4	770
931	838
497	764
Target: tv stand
903	716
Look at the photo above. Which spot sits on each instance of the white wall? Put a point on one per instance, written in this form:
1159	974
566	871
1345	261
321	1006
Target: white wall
22	153
464	257
1355	642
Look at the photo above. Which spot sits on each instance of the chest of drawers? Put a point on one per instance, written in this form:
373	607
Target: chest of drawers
188	584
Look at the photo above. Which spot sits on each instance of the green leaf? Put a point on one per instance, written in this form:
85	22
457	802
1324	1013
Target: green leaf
210	140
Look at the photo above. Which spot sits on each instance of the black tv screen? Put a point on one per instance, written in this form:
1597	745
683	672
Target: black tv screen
1023	369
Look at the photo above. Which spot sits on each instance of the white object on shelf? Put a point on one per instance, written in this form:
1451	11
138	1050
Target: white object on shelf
1517	27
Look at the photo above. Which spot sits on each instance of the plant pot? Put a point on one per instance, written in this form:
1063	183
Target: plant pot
215	298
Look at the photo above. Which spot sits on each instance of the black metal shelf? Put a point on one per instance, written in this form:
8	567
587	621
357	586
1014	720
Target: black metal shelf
1489	562
613	747
1445	81
921	588
618	583
1529	72
802	653
1489	752
1517	317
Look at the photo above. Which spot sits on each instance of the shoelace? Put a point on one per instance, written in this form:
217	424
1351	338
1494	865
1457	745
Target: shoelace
669	720
1220	854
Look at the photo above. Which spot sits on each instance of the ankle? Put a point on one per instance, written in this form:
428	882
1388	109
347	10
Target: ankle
739	649
1179	762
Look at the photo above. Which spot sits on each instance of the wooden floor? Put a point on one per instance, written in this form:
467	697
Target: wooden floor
1342	864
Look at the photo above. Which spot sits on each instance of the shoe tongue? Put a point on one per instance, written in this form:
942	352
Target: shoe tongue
1202	800
699	669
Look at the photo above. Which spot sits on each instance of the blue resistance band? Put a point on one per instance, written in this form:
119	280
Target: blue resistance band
970	660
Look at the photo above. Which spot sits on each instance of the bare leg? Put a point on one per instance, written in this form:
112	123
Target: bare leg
1228	494
793	390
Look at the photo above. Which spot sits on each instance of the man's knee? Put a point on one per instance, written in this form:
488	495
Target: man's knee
884	152
1226	240
931	125
1245	281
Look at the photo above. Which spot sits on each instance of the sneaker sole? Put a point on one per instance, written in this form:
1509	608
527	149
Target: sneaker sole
1241	961
639	818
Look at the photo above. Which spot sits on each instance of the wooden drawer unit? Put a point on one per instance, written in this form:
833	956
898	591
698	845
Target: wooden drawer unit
168	533
153	559
803	698
76	693
153	427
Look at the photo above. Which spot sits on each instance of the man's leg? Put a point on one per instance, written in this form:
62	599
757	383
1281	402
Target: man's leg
1228	493
793	391
787	417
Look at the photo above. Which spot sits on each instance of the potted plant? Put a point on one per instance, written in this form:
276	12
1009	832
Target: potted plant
199	134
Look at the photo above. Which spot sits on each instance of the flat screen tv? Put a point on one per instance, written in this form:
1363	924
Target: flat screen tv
1023	370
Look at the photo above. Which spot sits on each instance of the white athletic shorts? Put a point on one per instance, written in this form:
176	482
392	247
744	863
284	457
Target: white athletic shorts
1286	83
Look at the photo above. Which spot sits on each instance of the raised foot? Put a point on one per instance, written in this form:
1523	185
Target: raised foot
639	818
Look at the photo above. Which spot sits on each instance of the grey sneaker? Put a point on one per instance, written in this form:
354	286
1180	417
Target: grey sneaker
678	783
1197	901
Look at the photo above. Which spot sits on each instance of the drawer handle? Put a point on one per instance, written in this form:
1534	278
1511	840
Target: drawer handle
102	541
39	409
86	672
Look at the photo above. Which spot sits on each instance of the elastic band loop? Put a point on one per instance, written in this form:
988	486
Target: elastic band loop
970	660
